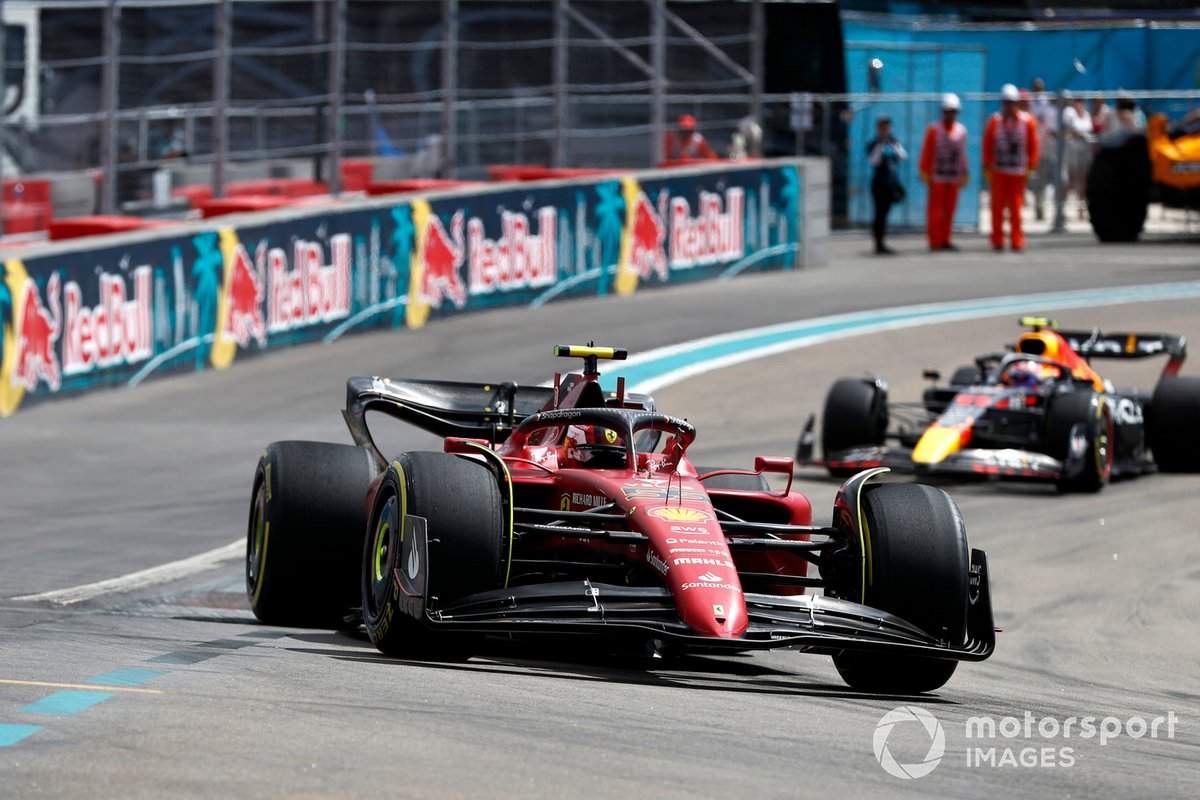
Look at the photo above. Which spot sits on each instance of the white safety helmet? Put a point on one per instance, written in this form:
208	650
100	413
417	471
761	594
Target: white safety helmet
1010	93
950	102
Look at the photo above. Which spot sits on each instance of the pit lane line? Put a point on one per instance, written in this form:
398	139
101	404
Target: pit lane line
665	366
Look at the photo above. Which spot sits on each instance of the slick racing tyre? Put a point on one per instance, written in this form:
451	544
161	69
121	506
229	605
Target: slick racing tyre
970	375
856	415
465	523
1118	187
1173	425
918	565
1093	411
304	538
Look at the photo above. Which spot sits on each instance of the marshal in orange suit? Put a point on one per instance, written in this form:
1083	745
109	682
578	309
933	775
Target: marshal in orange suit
1010	155
943	166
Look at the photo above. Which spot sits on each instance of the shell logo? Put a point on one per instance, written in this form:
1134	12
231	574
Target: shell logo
680	514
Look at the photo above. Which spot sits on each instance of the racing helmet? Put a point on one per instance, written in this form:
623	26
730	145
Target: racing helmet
595	446
1029	374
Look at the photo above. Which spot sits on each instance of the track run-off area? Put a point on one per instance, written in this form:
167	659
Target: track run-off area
131	667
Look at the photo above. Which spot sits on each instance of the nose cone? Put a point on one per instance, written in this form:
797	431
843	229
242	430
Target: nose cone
711	604
939	443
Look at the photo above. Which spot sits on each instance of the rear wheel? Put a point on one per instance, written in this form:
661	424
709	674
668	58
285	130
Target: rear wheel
1096	447
1118	187
856	415
917	569
463	512
1173	425
305	532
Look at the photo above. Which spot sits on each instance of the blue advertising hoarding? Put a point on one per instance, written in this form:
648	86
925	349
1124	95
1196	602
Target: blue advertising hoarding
205	296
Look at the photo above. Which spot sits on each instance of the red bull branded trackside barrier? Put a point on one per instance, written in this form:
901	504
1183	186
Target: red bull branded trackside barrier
116	311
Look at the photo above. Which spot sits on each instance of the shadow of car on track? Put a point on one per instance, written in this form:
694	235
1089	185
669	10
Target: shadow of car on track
727	673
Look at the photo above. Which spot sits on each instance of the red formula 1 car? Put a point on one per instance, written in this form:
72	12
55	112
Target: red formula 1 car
1037	412
575	510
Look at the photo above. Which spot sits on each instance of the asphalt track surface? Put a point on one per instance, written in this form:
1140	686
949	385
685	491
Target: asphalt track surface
173	690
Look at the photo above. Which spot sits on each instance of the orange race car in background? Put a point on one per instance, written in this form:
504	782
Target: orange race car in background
1132	169
1037	412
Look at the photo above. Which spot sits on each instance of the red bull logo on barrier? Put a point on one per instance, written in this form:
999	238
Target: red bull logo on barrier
712	237
313	292
647	253
118	330
519	258
37	329
441	257
244	295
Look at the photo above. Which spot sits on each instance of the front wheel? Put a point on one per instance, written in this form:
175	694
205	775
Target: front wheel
856	415
1093	450
917	569
460	502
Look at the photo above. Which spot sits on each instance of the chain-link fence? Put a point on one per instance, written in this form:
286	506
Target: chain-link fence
226	89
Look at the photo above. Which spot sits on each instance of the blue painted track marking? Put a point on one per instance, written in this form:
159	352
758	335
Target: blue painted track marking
665	366
126	677
65	703
11	734
72	701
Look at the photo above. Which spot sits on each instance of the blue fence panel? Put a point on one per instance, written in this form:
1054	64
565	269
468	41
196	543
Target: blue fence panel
912	68
1143	56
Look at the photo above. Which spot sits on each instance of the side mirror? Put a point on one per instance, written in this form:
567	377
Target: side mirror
932	375
776	464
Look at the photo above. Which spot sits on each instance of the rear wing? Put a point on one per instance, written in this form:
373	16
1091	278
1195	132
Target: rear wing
1094	344
454	408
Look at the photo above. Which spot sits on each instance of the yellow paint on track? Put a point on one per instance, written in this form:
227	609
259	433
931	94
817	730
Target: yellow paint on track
92	687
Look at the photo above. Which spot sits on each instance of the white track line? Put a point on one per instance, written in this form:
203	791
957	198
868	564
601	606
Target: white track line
146	577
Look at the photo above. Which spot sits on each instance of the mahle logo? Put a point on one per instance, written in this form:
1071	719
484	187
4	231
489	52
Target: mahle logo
937	742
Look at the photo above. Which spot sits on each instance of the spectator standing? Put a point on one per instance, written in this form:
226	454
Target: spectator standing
1129	116
1077	127
943	166
1045	113
885	154
746	141
686	143
1102	116
1010	155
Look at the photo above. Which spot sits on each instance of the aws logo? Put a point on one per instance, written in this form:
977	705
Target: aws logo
680	514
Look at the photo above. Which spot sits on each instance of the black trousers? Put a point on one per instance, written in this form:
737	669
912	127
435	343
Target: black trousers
881	194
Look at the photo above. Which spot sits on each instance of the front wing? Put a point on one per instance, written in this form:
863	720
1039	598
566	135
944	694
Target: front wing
978	462
814	623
